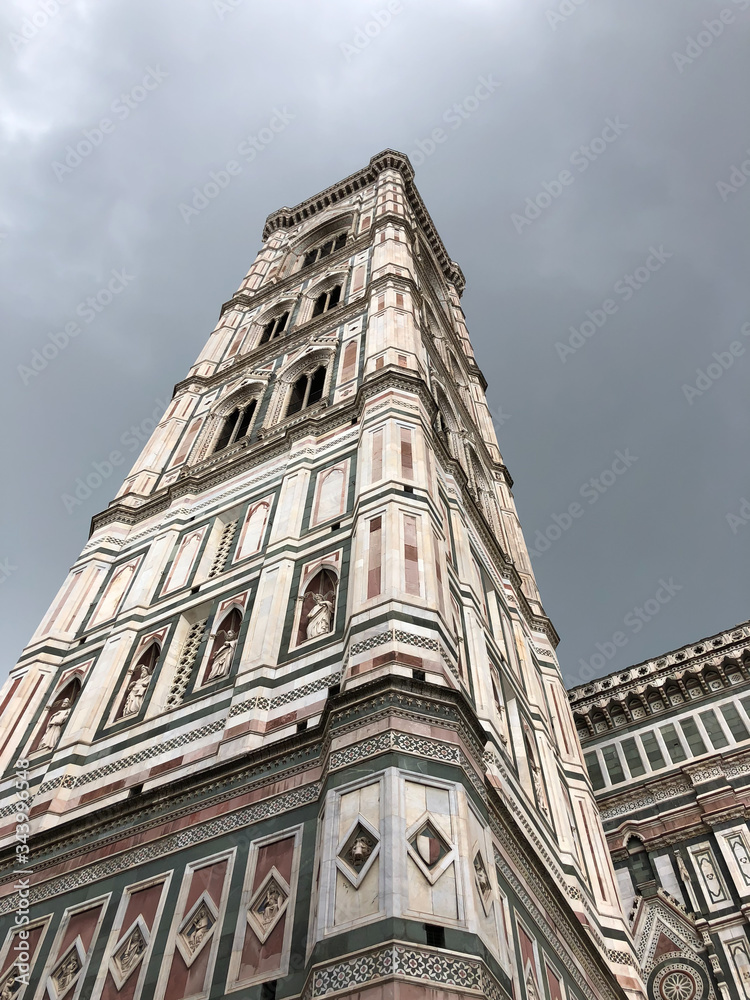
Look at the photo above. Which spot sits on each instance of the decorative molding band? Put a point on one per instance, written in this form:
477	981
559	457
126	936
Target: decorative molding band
130	860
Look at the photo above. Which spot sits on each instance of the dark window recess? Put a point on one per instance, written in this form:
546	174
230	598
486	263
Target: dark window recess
693	737
715	733
672	741
333	690
633	758
327	300
435	935
408	489
653	752
736	726
302	726
308	389
419	675
640	863
595	772
274	327
336	526
613	765
268	990
135	791
330	246
236	425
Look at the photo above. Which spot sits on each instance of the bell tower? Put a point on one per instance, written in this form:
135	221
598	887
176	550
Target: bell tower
293	725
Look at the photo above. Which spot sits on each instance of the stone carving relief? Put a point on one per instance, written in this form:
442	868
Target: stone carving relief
129	953
268	905
67	971
225	643
10	986
318	602
197	928
359	849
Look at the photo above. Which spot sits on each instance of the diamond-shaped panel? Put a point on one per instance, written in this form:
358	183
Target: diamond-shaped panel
430	846
268	905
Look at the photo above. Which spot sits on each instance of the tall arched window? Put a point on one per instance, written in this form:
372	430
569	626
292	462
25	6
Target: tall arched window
327	300
225	643
236	425
640	863
318	607
330	246
308	389
273	328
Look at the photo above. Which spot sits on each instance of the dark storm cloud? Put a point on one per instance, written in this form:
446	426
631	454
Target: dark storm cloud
609	128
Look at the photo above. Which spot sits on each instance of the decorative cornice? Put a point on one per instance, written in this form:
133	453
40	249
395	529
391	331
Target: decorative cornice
712	650
389	159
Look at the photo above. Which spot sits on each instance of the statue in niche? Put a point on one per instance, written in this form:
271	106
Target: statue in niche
55	726
320	619
137	692
361	849
682	868
318	602
221	659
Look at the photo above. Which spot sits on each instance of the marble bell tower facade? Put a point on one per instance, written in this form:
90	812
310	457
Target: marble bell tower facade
293	725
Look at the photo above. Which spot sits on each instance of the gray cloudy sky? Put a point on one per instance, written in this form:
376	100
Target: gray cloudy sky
185	84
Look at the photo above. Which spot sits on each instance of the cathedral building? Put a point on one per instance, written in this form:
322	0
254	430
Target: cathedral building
667	746
293	725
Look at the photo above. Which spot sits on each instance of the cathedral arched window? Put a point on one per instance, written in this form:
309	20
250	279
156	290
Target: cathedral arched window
324	249
223	648
640	863
274	328
236	425
318	606
307	389
327	300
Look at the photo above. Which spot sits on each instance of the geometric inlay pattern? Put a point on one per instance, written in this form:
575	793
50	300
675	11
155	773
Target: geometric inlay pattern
429	848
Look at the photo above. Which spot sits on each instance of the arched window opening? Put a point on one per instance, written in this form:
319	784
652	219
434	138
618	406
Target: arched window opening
58	714
318	607
139	681
224	645
327	300
329	247
236	425
308	389
274	327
